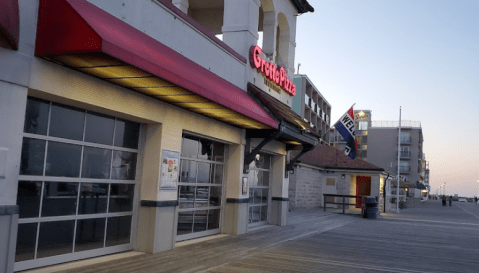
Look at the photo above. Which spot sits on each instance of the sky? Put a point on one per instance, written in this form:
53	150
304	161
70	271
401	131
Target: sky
422	55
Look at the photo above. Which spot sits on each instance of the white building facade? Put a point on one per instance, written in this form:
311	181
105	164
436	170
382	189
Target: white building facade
128	125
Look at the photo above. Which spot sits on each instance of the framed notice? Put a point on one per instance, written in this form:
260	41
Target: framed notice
170	166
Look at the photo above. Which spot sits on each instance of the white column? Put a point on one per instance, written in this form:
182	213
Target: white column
182	5
157	221
269	34
12	112
279	191
240	24
235	220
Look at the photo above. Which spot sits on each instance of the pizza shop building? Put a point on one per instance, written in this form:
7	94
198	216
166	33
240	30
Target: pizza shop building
129	125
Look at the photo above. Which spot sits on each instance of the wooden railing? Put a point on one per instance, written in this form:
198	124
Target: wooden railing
344	203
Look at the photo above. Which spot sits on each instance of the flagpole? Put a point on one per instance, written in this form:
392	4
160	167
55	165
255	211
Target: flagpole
337	121
399	161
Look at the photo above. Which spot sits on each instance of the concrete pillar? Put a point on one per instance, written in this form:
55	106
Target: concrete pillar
289	63
182	5
279	191
375	185
240	24
269	34
235	218
12	112
158	211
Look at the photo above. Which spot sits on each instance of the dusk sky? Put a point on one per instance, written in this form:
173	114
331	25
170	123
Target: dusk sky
417	54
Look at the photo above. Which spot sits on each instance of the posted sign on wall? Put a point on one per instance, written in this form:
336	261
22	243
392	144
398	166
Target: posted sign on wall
170	166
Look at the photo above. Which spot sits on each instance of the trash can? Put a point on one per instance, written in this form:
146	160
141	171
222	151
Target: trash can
363	207
371	207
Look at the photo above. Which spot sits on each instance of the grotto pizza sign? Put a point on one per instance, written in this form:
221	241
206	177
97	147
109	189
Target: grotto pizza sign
272	72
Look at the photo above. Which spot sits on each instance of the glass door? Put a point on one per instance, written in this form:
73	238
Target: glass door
76	186
259	190
200	189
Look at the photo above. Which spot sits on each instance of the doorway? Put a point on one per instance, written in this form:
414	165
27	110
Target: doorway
363	187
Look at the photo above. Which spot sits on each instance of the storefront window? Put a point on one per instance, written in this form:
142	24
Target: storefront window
77	168
259	196
59	198
126	134
66	122
200	190
33	154
99	123
36	116
89	234
63	159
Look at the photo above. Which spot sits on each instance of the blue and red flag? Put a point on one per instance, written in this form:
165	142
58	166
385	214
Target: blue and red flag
346	127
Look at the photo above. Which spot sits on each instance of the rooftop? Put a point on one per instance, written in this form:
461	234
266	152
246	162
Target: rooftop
395	123
328	157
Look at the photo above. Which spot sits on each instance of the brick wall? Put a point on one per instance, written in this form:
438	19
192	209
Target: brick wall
305	189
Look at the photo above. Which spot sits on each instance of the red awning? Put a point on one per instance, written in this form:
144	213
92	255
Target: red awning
280	110
82	36
9	23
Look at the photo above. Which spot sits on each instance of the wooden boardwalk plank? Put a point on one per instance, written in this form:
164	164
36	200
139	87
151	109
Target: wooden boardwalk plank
424	239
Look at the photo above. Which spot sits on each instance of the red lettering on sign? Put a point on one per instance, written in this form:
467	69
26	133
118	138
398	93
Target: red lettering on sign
277	75
255	58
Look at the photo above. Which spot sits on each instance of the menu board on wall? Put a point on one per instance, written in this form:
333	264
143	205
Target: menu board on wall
170	166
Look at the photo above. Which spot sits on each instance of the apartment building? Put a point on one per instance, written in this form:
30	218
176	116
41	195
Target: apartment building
130	125
378	144
362	119
312	106
383	148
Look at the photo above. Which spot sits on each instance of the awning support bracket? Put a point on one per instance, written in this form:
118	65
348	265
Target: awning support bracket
248	158
290	165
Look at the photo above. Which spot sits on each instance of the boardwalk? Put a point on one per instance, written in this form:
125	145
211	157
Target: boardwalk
427	238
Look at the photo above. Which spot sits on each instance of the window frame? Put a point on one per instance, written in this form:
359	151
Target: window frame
133	213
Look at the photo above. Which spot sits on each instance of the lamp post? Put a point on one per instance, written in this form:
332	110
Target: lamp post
399	162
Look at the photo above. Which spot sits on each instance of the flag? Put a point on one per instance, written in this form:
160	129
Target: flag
346	127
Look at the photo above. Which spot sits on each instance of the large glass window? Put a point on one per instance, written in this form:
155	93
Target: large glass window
63	159
36	116
66	122
405	138
77	181
33	154
363	125
200	190
259	195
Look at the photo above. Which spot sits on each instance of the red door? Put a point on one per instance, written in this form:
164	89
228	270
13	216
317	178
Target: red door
363	187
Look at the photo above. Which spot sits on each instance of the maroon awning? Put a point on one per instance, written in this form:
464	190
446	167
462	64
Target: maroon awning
82	36
280	110
9	24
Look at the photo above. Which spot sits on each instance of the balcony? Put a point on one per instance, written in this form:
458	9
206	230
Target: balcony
363	154
404	169
404	154
405	140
